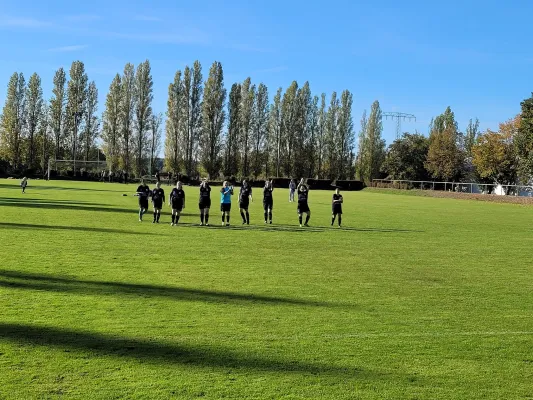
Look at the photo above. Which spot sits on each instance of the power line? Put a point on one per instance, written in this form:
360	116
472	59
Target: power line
399	116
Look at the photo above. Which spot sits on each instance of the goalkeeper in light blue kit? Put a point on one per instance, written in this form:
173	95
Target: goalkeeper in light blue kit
225	202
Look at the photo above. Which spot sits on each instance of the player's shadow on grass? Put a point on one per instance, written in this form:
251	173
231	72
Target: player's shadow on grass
22	280
172	353
14	225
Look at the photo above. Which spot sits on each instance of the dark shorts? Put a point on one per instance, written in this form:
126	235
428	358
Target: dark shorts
244	205
336	209
225	207
177	205
143	203
204	204
158	204
268	205
303	208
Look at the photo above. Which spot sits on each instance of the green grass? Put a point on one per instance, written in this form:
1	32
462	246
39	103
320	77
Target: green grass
416	298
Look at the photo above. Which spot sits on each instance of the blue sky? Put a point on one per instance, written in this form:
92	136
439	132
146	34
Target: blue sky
413	56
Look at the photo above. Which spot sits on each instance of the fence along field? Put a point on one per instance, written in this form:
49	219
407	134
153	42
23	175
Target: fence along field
415	298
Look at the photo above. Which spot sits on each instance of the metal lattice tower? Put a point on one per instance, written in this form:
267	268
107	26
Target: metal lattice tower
399	116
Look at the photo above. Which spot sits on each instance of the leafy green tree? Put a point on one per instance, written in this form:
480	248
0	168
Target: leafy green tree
13	119
494	153
34	117
76	107
471	135
246	110
45	145
260	130
445	158
91	127
112	128
274	133
57	111
127	105
524	141
143	114
406	157
174	125
372	145
213	120
231	156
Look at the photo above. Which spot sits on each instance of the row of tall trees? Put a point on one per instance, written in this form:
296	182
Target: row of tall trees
504	156
244	134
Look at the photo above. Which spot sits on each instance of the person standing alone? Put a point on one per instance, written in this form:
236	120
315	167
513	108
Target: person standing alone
245	195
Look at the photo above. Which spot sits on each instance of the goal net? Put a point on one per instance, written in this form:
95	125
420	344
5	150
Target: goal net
77	169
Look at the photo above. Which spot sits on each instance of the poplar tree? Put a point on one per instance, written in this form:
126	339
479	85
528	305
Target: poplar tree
34	117
213	116
345	140
372	145
112	129
274	133
246	109
331	136
76	105
259	129
288	129
143	113
156	123
174	125
321	136
231	155
57	111
12	120
91	123
126	115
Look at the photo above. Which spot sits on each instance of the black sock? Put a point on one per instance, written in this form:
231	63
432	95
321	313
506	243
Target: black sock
300	219
172	218
207	218
177	218
270	216
202	217
227	219
243	218
307	219
158	215
155	215
266	216
223	216
340	219
247	217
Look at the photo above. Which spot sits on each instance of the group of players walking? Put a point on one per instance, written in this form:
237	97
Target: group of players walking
177	202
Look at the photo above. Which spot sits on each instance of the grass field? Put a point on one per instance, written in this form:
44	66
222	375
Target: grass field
415	298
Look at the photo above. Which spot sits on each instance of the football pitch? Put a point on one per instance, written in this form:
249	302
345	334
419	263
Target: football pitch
414	297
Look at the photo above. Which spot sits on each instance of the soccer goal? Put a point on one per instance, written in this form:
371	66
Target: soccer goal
76	169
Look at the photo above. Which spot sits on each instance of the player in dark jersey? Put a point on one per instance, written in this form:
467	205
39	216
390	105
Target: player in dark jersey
303	206
336	207
177	202
158	199
245	195
143	191
204	203
225	201
268	200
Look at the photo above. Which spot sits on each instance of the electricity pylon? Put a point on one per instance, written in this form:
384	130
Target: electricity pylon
399	116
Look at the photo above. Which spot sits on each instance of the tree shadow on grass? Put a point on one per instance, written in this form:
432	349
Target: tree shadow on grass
31	187
26	280
62	205
72	205
13	225
26	200
171	353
